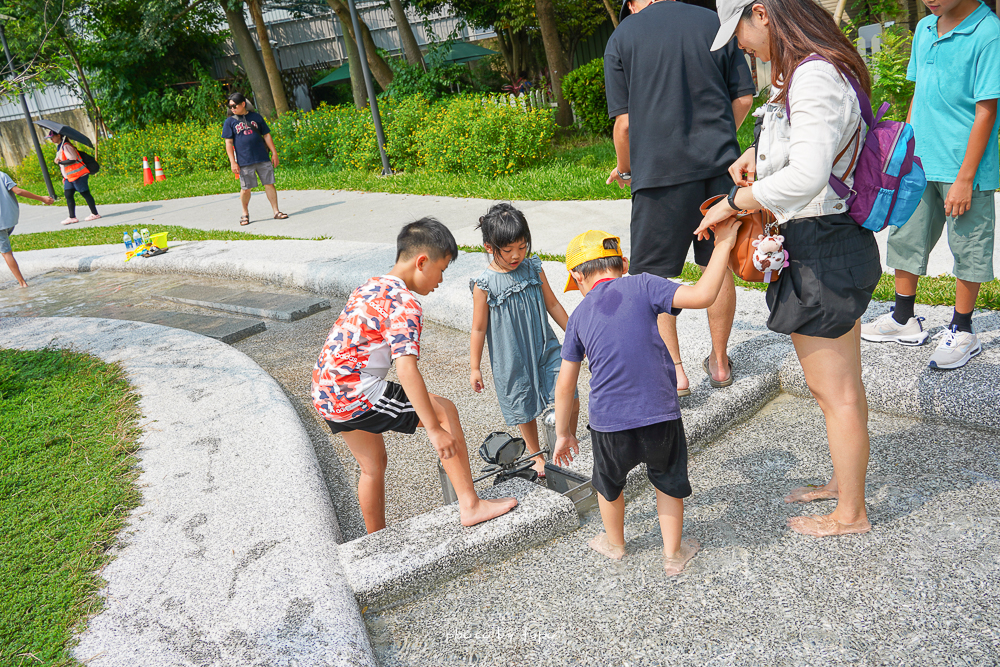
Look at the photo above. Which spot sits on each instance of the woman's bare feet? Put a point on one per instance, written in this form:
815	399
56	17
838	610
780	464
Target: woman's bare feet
485	509
603	546
675	563
811	492
826	526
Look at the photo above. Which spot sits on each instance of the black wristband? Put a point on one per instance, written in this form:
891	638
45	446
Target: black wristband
732	199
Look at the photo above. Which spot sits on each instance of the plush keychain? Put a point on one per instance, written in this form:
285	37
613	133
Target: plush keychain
769	254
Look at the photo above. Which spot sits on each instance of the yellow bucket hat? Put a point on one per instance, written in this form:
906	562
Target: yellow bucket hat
585	247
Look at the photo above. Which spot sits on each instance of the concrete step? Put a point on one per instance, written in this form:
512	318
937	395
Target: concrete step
284	307
225	329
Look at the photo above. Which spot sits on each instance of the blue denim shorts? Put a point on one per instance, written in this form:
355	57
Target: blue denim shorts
5	240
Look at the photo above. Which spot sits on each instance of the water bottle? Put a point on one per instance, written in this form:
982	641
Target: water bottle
128	242
145	236
136	238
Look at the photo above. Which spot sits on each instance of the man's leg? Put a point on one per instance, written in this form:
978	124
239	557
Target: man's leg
720	326
369	451
272	196
245	201
471	508
14	268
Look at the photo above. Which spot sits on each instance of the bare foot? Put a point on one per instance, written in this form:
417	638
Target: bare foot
811	492
826	526
485	510
675	564
22	284
603	546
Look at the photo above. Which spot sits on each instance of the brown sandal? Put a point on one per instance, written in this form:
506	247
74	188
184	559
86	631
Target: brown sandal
244	220
280	216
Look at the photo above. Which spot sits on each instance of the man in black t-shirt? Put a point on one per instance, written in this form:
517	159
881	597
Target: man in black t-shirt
676	106
251	154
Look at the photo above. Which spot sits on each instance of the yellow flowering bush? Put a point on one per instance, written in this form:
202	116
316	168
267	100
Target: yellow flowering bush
482	135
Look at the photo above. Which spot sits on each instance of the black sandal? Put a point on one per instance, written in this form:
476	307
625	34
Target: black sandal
244	220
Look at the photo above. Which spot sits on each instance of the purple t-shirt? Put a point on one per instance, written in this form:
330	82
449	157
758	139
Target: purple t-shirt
633	382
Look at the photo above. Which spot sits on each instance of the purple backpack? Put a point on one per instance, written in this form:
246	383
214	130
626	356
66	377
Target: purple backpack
889	179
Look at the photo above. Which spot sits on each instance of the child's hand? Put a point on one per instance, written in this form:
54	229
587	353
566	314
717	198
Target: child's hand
726	231
476	380
444	443
48	201
959	199
717	214
567	447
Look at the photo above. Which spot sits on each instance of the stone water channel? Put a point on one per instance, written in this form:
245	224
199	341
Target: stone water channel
922	588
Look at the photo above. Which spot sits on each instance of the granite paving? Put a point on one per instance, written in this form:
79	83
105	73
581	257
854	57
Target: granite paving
283	307
923	588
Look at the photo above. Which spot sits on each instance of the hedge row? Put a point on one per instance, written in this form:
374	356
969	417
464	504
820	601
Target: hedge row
584	89
465	134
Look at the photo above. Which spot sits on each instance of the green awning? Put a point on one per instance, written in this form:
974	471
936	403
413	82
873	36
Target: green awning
463	52
342	73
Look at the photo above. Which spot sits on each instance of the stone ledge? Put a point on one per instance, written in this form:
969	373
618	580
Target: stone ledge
398	561
232	557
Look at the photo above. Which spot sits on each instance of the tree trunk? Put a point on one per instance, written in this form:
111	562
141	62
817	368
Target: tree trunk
358	89
505	50
406	36
611	12
99	127
546	13
270	64
379	68
252	63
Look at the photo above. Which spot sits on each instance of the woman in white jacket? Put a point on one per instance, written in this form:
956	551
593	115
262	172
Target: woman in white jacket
834	263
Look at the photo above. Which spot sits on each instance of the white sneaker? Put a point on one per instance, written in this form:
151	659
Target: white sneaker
955	349
886	329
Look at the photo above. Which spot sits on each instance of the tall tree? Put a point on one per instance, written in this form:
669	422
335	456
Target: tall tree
267	55
555	56
358	89
252	64
410	47
379	68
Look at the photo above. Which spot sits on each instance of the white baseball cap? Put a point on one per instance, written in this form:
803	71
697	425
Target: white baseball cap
730	12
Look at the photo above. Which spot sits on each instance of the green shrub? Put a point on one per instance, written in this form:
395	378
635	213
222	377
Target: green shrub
29	171
484	135
481	135
584	89
888	70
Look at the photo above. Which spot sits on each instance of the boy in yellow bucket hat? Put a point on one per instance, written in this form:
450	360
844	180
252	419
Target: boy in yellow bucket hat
615	328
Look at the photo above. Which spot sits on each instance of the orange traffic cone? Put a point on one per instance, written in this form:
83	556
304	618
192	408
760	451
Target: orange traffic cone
147	173
160	176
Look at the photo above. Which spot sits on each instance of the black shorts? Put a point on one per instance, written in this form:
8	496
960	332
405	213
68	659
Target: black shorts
833	270
662	447
392	412
663	224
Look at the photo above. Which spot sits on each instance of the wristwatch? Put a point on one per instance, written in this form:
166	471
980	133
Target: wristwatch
732	198
624	175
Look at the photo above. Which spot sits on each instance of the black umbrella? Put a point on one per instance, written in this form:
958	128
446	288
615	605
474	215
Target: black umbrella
65	130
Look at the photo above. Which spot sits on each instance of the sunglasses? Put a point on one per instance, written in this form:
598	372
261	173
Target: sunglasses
233	106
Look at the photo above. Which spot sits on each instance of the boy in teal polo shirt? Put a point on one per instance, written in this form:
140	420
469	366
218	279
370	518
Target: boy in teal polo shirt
955	62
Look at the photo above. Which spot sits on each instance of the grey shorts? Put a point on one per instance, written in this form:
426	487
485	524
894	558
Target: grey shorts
970	235
250	172
5	240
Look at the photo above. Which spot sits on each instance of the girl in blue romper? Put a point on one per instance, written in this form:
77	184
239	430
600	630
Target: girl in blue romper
511	304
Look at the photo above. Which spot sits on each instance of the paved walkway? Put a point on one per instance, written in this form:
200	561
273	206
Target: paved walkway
377	217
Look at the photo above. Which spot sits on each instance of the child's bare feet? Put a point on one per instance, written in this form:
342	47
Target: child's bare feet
603	546
22	284
826	526
485	509
811	492
675	563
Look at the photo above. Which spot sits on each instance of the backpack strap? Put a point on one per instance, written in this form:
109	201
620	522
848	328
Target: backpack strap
838	184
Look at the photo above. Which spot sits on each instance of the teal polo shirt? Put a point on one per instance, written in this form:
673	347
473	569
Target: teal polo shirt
952	73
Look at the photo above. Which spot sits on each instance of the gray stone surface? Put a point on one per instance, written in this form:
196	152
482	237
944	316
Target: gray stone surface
232	557
261	304
224	329
407	559
376	217
921	589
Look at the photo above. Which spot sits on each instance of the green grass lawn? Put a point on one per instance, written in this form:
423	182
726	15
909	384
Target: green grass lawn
68	429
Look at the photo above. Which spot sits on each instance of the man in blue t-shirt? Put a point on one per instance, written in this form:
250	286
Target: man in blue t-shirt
10	213
634	414
248	143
